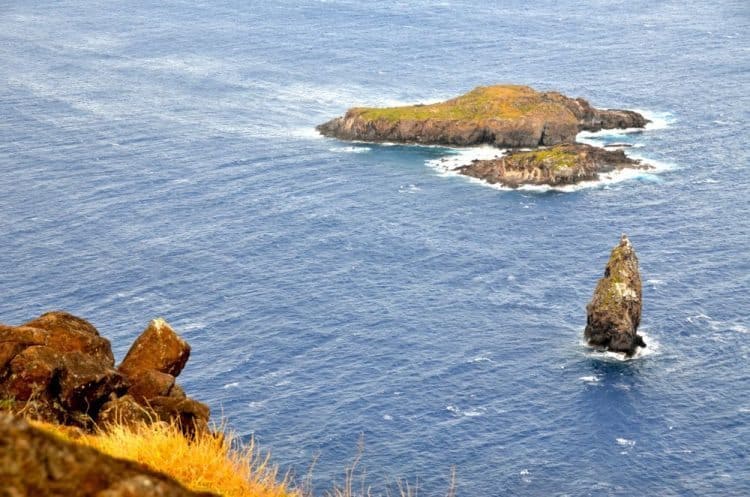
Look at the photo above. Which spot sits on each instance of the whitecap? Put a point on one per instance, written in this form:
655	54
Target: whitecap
655	282
479	359
739	328
474	412
387	417
412	188
593	379
625	442
256	405
350	150
234	384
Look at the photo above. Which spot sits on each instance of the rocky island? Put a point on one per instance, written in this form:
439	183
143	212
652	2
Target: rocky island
555	166
614	313
504	116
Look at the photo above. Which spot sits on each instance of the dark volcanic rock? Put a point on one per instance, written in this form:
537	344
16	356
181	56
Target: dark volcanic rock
504	116
614	313
558	165
36	463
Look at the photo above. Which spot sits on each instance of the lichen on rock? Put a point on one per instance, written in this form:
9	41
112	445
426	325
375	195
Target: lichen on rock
614	313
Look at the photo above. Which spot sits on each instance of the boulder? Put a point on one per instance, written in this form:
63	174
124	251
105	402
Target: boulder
126	411
507	116
192	416
158	348
58	368
34	462
554	166
614	313
150	384
68	333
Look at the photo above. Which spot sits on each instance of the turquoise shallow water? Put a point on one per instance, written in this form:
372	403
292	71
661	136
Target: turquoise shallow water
159	159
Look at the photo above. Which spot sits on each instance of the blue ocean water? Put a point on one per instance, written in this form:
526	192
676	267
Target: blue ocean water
159	159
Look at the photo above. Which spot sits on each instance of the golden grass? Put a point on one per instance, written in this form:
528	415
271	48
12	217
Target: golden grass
206	463
484	102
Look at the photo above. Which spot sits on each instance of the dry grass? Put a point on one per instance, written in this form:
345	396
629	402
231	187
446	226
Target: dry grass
206	463
484	102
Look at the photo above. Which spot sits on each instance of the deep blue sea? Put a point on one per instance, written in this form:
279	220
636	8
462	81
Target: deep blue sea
160	159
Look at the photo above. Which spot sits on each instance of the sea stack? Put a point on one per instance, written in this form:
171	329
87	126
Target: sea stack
614	313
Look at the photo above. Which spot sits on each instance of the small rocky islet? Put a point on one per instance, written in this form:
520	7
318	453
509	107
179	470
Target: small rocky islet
508	117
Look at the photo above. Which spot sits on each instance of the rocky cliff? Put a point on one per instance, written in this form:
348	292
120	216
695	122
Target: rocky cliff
506	116
614	313
554	166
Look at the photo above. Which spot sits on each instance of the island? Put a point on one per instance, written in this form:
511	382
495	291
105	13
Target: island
555	166
507	117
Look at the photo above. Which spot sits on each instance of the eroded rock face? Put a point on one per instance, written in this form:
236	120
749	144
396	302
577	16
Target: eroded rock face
507	116
554	166
35	463
58	368
614	313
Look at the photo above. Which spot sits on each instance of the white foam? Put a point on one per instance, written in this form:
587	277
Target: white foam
655	282
447	165
234	384
457	157
625	442
590	379
350	150
472	412
387	417
740	328
659	120
411	188
653	347
479	359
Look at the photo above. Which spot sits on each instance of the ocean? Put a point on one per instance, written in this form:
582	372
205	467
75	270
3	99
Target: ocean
160	159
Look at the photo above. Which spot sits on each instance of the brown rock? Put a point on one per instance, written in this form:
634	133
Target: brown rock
85	383
502	115
554	166
68	333
157	348
150	384
614	313
13	339
36	463
33	373
191	415
126	411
